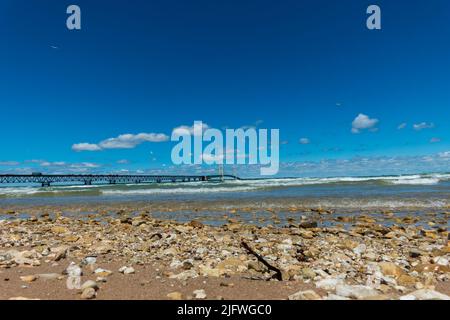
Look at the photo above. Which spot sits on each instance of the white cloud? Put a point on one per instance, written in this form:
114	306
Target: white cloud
81	165
85	147
445	154
129	141
362	122
123	161
197	127
123	141
304	141
401	126
9	163
423	125
434	140
52	164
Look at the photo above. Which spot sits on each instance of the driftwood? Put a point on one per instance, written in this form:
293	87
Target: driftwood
277	275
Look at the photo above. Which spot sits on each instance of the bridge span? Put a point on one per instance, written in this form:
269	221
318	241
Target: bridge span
45	180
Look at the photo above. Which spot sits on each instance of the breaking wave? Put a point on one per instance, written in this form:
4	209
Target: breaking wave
237	186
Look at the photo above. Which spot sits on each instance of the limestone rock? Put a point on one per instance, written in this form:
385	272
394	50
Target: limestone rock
356	292
304	295
199	294
425	294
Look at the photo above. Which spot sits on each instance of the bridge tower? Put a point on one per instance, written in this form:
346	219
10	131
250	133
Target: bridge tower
221	171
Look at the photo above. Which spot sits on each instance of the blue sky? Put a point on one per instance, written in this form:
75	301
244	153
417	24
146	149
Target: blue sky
309	68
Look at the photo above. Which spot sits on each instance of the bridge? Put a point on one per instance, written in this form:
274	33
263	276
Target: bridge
45	180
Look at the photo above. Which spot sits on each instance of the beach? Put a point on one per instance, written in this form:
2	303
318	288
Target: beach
223	249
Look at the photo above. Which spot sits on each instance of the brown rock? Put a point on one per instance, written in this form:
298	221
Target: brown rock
195	224
391	269
406	280
59	229
175	295
29	278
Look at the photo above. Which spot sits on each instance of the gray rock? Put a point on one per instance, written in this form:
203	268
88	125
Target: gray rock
425	294
329	284
356	291
89	260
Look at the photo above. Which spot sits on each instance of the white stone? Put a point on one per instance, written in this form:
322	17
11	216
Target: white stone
332	296
183	276
427	294
329	283
305	295
440	261
126	270
73	270
89	260
89	284
356	291
360	249
199	294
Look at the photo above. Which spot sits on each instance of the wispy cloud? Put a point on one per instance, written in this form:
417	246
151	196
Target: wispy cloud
86	147
423	125
362	122
402	126
304	141
123	141
435	140
9	163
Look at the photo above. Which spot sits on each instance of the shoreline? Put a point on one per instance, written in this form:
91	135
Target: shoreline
360	256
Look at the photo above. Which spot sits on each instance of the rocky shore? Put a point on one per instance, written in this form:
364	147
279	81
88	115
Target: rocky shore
53	253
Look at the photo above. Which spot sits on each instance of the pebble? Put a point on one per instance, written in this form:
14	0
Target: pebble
73	270
89	260
88	293
89	284
329	284
199	294
356	291
305	295
389	259
102	272
126	270
29	278
175	295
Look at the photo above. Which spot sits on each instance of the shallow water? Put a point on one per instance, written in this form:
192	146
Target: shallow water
430	191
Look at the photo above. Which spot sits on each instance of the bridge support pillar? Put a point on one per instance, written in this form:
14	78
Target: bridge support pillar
112	181
87	182
45	184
